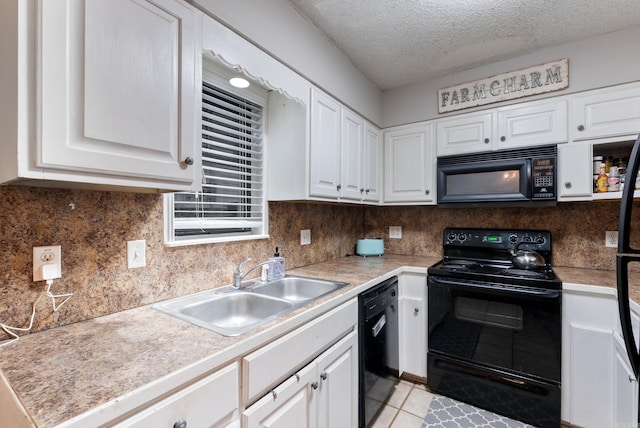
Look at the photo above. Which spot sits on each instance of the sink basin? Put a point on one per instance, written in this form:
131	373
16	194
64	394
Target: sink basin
229	314
233	312
298	289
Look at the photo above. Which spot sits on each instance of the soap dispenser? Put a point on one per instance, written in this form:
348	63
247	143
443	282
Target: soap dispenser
277	266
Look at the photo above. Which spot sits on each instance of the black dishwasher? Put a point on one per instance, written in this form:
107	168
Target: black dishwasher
378	312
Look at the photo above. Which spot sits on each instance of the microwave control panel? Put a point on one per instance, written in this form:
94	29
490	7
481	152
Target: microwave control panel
543	173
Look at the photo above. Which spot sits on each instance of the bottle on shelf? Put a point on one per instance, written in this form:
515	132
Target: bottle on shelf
603	179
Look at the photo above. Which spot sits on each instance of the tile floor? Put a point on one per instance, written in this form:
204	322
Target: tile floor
406	407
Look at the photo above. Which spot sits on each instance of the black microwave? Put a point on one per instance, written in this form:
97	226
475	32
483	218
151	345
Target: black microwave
499	178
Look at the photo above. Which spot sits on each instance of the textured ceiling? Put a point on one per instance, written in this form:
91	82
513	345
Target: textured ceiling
398	42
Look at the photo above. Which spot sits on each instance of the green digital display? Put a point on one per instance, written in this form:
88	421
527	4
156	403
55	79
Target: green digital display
493	239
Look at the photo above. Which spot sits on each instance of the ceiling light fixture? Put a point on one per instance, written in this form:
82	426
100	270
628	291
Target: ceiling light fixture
239	82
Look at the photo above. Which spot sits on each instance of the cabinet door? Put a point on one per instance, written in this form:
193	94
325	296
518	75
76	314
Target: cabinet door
533	124
575	176
338	379
210	402
607	112
409	157
325	146
291	404
120	85
625	389
590	374
351	160
466	133
413	327
371	164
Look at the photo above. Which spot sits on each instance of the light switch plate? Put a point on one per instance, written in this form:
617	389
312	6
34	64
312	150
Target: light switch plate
136	254
395	232
305	237
611	238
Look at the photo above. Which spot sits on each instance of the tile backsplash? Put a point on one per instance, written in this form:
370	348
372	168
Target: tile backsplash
92	227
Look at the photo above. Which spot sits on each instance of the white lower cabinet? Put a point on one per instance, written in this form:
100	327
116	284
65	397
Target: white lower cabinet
209	402
324	393
598	386
413	324
307	378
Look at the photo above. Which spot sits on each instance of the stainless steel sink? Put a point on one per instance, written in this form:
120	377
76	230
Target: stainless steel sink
229	314
233	312
298	289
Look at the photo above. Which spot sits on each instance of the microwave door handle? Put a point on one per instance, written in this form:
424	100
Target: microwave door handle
530	180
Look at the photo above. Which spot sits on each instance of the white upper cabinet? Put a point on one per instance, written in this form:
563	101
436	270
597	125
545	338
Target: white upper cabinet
532	124
344	155
115	99
575	176
606	112
464	134
409	164
325	146
520	125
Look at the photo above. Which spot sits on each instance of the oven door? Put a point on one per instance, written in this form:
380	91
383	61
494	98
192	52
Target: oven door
504	327
486	181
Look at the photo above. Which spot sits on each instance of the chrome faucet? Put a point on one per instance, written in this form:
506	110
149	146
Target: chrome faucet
238	276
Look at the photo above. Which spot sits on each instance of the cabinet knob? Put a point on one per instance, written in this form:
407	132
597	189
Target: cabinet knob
567	185
503	138
274	393
338	187
180	423
486	141
580	128
416	310
188	160
631	379
314	385
367	191
426	192
323	376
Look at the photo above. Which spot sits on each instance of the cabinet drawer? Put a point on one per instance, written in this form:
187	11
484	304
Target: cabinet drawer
269	365
210	402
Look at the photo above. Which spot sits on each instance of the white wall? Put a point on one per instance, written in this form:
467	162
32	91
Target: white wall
600	61
276	27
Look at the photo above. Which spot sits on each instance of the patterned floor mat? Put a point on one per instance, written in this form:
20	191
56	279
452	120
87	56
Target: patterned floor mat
445	412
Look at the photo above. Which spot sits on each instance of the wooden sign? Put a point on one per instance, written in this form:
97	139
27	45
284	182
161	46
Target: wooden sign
549	77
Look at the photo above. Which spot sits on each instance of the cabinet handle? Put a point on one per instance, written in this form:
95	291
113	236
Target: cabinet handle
274	393
367	191
314	385
503	138
631	379
486	141
323	376
297	377
416	310
426	192
338	187
180	423
361	191
188	160
567	185
580	128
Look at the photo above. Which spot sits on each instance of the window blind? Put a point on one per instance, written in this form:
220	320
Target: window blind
231	201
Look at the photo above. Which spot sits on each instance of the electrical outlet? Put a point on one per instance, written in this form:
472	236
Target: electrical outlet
47	263
395	232
611	238
305	237
136	254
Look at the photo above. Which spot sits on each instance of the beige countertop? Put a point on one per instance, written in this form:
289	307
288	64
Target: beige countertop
91	366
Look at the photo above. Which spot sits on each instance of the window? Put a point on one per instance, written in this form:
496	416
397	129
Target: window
232	204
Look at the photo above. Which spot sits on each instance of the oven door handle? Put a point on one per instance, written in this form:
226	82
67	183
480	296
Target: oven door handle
497	288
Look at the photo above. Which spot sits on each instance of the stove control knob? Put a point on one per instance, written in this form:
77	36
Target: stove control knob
513	238
540	240
462	237
451	237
